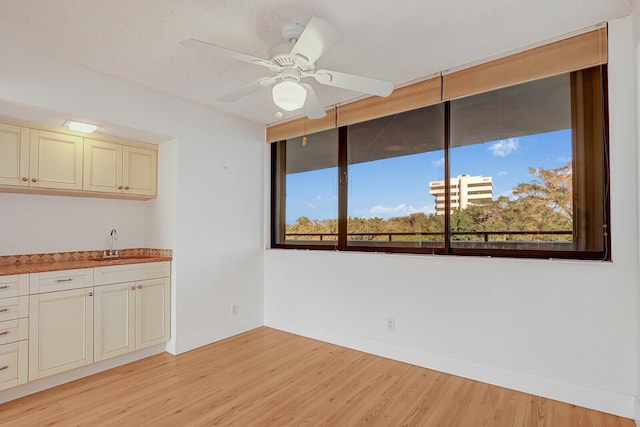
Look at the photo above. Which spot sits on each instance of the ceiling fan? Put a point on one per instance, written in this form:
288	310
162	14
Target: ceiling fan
293	61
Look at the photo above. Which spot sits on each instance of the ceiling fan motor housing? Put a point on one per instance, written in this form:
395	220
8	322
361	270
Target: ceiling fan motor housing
290	75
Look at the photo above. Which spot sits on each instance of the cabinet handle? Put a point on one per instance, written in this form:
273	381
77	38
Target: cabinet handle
139	286
90	294
4	287
24	178
126	187
133	288
3	310
64	280
2	368
4	333
34	179
119	187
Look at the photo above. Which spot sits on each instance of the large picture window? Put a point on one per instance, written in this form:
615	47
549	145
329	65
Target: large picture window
517	171
389	163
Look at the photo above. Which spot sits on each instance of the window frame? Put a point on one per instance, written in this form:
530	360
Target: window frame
446	248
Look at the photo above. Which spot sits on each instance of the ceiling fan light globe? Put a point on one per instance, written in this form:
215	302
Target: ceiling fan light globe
289	95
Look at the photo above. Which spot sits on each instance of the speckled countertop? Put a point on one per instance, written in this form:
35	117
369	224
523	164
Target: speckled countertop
38	263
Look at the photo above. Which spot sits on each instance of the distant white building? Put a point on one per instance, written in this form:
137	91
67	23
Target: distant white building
464	191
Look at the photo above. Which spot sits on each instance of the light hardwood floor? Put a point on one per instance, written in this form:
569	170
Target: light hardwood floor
266	377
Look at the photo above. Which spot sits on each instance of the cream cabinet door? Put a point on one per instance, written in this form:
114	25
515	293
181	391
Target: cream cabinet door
102	166
139	170
152	312
13	364
14	155
55	160
60	331
114	320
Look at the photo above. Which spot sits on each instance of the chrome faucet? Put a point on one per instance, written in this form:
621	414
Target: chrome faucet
112	244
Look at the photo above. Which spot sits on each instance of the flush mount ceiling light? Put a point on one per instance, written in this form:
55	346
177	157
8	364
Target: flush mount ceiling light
289	95
80	126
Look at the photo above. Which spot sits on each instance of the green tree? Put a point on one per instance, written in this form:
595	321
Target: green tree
551	188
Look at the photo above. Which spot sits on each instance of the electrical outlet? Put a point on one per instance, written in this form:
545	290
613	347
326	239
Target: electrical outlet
234	309
391	324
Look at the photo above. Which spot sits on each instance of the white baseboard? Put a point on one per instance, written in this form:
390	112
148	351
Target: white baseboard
601	400
188	342
637	411
74	374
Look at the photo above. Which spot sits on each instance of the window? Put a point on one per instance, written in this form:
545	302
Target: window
306	190
517	171
390	162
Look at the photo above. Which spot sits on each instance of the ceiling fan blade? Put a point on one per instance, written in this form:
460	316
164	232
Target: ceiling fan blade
313	108
229	53
353	82
247	89
317	37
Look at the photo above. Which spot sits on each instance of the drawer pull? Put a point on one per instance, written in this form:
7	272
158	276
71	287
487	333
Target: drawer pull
2	368
63	280
4	287
4	333
3	310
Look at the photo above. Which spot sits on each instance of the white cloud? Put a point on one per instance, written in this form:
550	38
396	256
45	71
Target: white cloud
438	163
400	210
318	197
503	173
504	147
564	160
311	206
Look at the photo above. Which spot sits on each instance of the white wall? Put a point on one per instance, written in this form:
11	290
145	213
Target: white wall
562	329
210	194
39	224
635	18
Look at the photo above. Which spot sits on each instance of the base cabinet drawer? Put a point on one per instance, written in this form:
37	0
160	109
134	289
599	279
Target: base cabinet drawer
130	273
14	286
14	308
14	330
53	281
13	364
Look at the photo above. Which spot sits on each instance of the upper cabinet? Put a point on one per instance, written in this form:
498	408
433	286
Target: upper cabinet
139	171
48	162
102	166
116	168
55	160
14	155
39	159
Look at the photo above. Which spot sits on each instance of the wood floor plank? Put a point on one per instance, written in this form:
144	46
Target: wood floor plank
266	377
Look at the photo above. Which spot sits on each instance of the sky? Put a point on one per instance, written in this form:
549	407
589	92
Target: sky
399	186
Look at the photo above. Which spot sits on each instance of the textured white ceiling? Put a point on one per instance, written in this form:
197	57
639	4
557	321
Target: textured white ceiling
399	41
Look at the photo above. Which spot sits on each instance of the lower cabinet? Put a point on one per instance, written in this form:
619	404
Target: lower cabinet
130	316
60	331
115	320
78	317
13	366
152	312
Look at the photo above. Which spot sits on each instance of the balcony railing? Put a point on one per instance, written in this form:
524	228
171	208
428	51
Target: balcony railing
389	236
